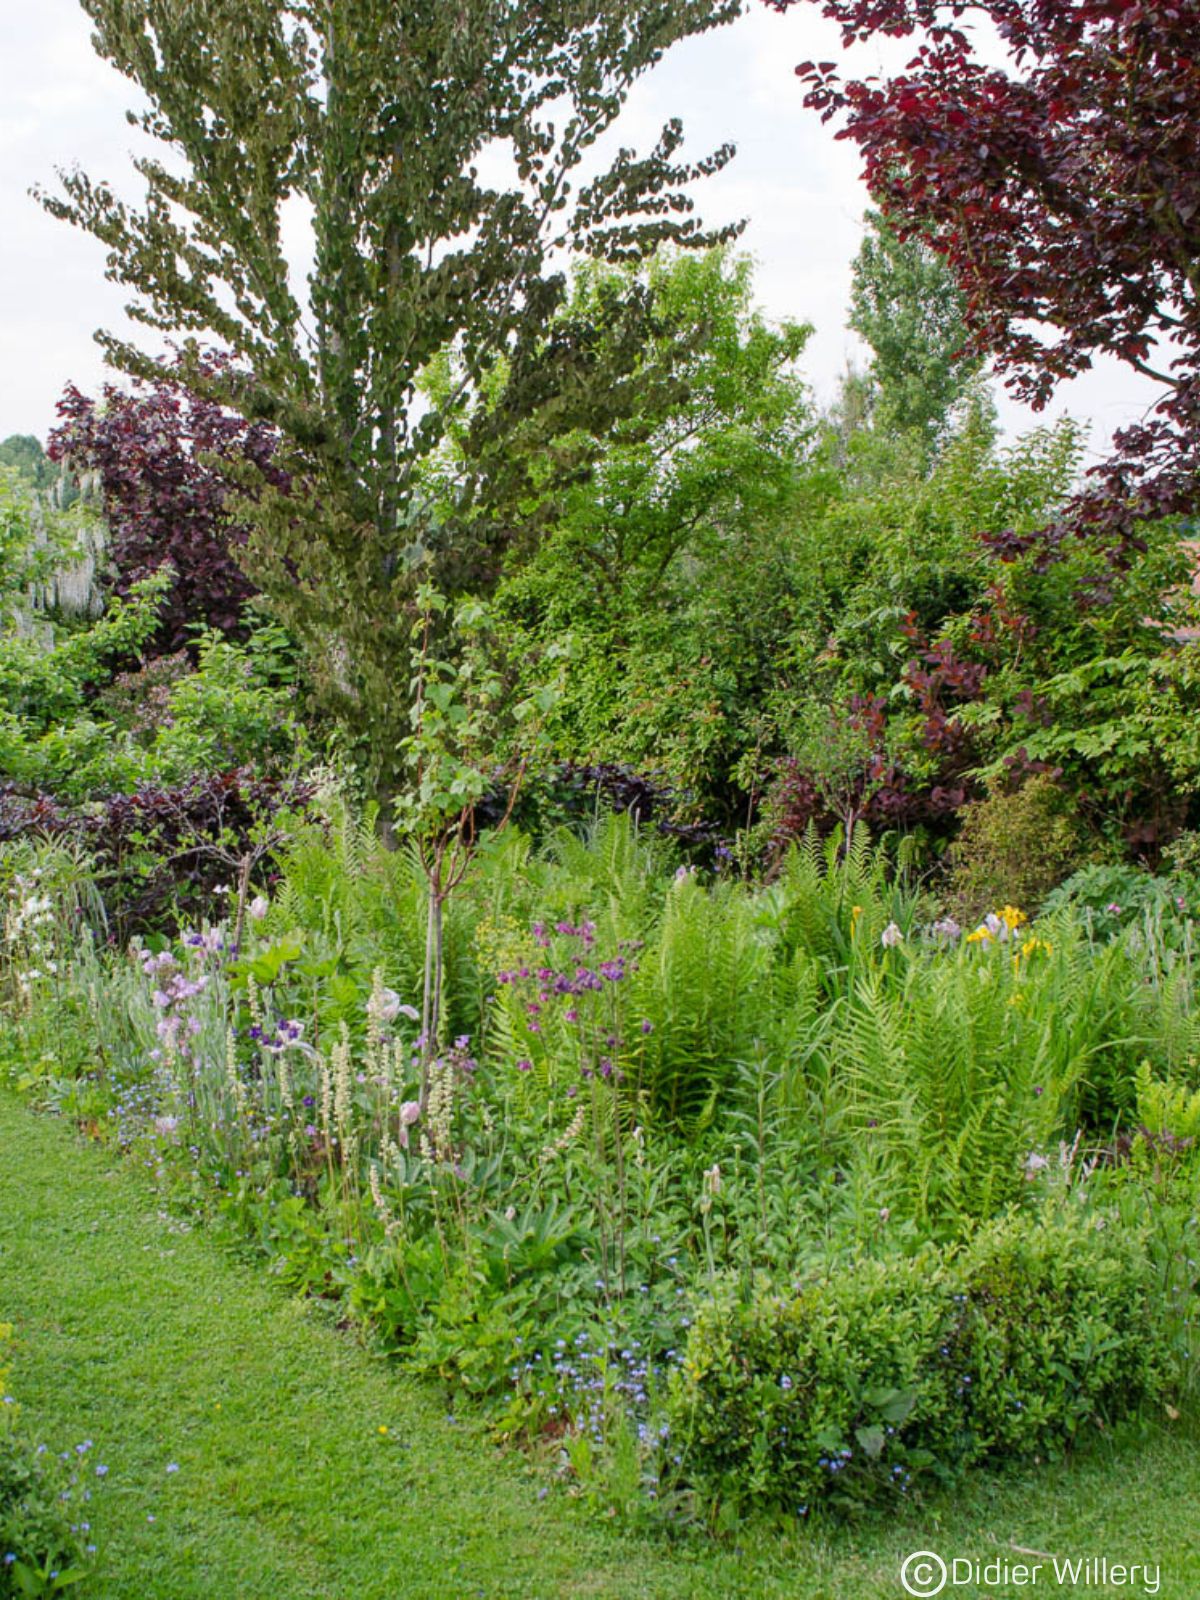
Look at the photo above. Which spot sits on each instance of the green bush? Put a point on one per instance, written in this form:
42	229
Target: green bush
1015	847
866	1380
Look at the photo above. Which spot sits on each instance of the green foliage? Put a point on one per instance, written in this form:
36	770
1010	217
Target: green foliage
906	305
1168	1107
74	724
661	1084
373	119
22	453
669	564
34	539
1015	845
862	1383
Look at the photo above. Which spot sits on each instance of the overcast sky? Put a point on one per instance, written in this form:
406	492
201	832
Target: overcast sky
798	187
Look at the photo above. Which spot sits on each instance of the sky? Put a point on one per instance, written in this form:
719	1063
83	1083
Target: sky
797	187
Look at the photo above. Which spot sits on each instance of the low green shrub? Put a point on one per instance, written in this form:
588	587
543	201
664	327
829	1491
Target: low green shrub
1015	846
863	1382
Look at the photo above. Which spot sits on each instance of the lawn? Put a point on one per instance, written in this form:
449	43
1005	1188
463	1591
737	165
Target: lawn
153	1343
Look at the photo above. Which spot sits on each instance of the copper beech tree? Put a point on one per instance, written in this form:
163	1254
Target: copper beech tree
1063	190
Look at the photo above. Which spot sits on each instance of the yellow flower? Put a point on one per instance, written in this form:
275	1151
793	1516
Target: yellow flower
382	1429
1012	916
855	913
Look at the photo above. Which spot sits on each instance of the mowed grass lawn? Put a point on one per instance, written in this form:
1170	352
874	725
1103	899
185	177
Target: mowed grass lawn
155	1345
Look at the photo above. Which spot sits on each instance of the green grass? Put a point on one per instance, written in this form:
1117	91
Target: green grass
158	1347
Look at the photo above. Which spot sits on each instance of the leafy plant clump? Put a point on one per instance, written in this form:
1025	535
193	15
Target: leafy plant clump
868	1380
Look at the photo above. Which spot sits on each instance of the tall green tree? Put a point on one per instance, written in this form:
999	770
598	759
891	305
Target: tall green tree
906	305
23	453
445	157
669	564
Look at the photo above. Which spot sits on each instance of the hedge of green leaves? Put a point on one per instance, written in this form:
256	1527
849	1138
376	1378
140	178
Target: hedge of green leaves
859	1383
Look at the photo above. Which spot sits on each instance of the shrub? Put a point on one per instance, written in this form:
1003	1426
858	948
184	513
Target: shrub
881	1373
158	455
164	852
1015	847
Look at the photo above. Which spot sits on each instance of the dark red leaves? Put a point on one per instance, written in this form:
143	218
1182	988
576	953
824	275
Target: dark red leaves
164	499
1065	195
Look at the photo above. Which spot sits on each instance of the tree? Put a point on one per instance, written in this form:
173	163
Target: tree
463	714
906	305
669	563
718	449
158	456
23	454
1064	194
378	120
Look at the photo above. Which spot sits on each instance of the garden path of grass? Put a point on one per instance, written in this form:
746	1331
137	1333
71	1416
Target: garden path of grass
161	1349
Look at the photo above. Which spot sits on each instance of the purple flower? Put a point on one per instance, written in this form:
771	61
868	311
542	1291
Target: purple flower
647	1025
524	1066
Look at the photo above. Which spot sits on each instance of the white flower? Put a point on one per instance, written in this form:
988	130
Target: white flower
1034	1164
385	1006
891	936
259	907
410	1111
